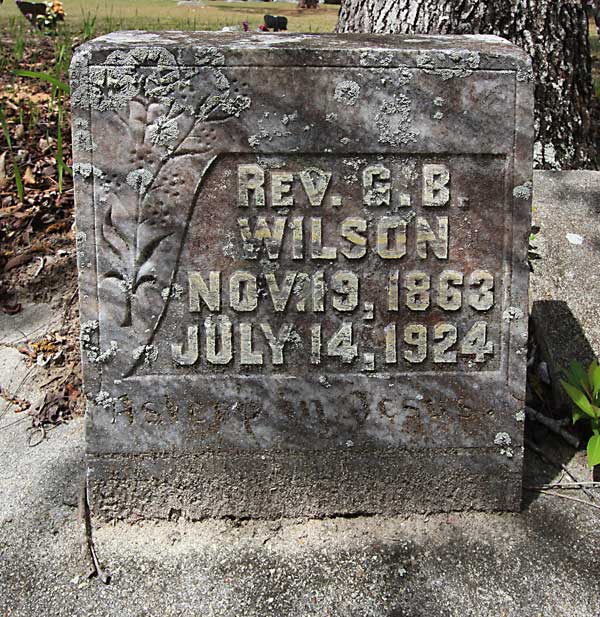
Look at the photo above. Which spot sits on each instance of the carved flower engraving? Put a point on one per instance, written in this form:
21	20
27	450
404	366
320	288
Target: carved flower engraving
163	109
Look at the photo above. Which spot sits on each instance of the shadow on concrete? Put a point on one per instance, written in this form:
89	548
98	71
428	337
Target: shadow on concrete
561	340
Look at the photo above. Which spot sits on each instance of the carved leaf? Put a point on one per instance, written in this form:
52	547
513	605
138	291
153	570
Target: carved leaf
113	235
148	249
146	278
137	120
114	274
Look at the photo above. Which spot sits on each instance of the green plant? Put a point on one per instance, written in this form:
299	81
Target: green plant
56	83
89	25
18	50
583	388
60	90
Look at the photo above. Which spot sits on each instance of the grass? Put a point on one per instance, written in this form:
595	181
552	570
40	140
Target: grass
94	17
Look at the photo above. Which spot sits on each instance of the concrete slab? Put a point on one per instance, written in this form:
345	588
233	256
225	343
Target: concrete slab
566	276
32	322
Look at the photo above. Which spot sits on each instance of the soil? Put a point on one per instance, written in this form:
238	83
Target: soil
37	238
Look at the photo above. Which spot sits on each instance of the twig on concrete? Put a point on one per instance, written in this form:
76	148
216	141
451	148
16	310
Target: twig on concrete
67	307
16	391
544	456
13	423
87	546
585	503
554	425
565	485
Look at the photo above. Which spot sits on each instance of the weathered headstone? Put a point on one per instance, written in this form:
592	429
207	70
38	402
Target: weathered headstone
303	272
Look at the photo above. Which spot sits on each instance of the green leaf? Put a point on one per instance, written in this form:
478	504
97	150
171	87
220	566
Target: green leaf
594	377
578	376
61	85
577	415
579	398
593	451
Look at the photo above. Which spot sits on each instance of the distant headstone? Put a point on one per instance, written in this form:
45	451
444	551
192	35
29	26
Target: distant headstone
275	22
303	272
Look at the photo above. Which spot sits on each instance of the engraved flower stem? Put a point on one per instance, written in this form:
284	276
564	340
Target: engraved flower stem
135	283
165	306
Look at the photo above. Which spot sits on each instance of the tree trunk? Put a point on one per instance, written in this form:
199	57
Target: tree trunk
554	33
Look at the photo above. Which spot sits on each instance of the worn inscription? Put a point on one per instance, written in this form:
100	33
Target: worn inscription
372	270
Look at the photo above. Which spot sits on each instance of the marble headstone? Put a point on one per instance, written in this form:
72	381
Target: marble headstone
303	272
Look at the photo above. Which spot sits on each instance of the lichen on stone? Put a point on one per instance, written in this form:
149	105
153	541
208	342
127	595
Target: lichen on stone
139	179
287	118
163	132
106	356
393	121
523	191
82	136
504	440
233	106
324	381
346	92
209	56
525	74
512	313
368	58
175	292
465	63
87	170
89	346
254	140
147	353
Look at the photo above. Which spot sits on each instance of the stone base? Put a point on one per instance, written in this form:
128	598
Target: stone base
277	484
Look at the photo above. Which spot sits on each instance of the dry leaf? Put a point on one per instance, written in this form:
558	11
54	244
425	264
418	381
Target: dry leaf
39	97
28	177
3	178
19	260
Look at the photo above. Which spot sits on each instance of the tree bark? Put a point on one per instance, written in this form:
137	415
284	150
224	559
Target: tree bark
555	34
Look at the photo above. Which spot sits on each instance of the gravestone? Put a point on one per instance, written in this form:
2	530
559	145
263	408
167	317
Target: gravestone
303	272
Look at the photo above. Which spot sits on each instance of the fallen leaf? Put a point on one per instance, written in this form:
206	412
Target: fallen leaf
18	260
26	350
72	392
28	177
3	178
39	97
12	309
